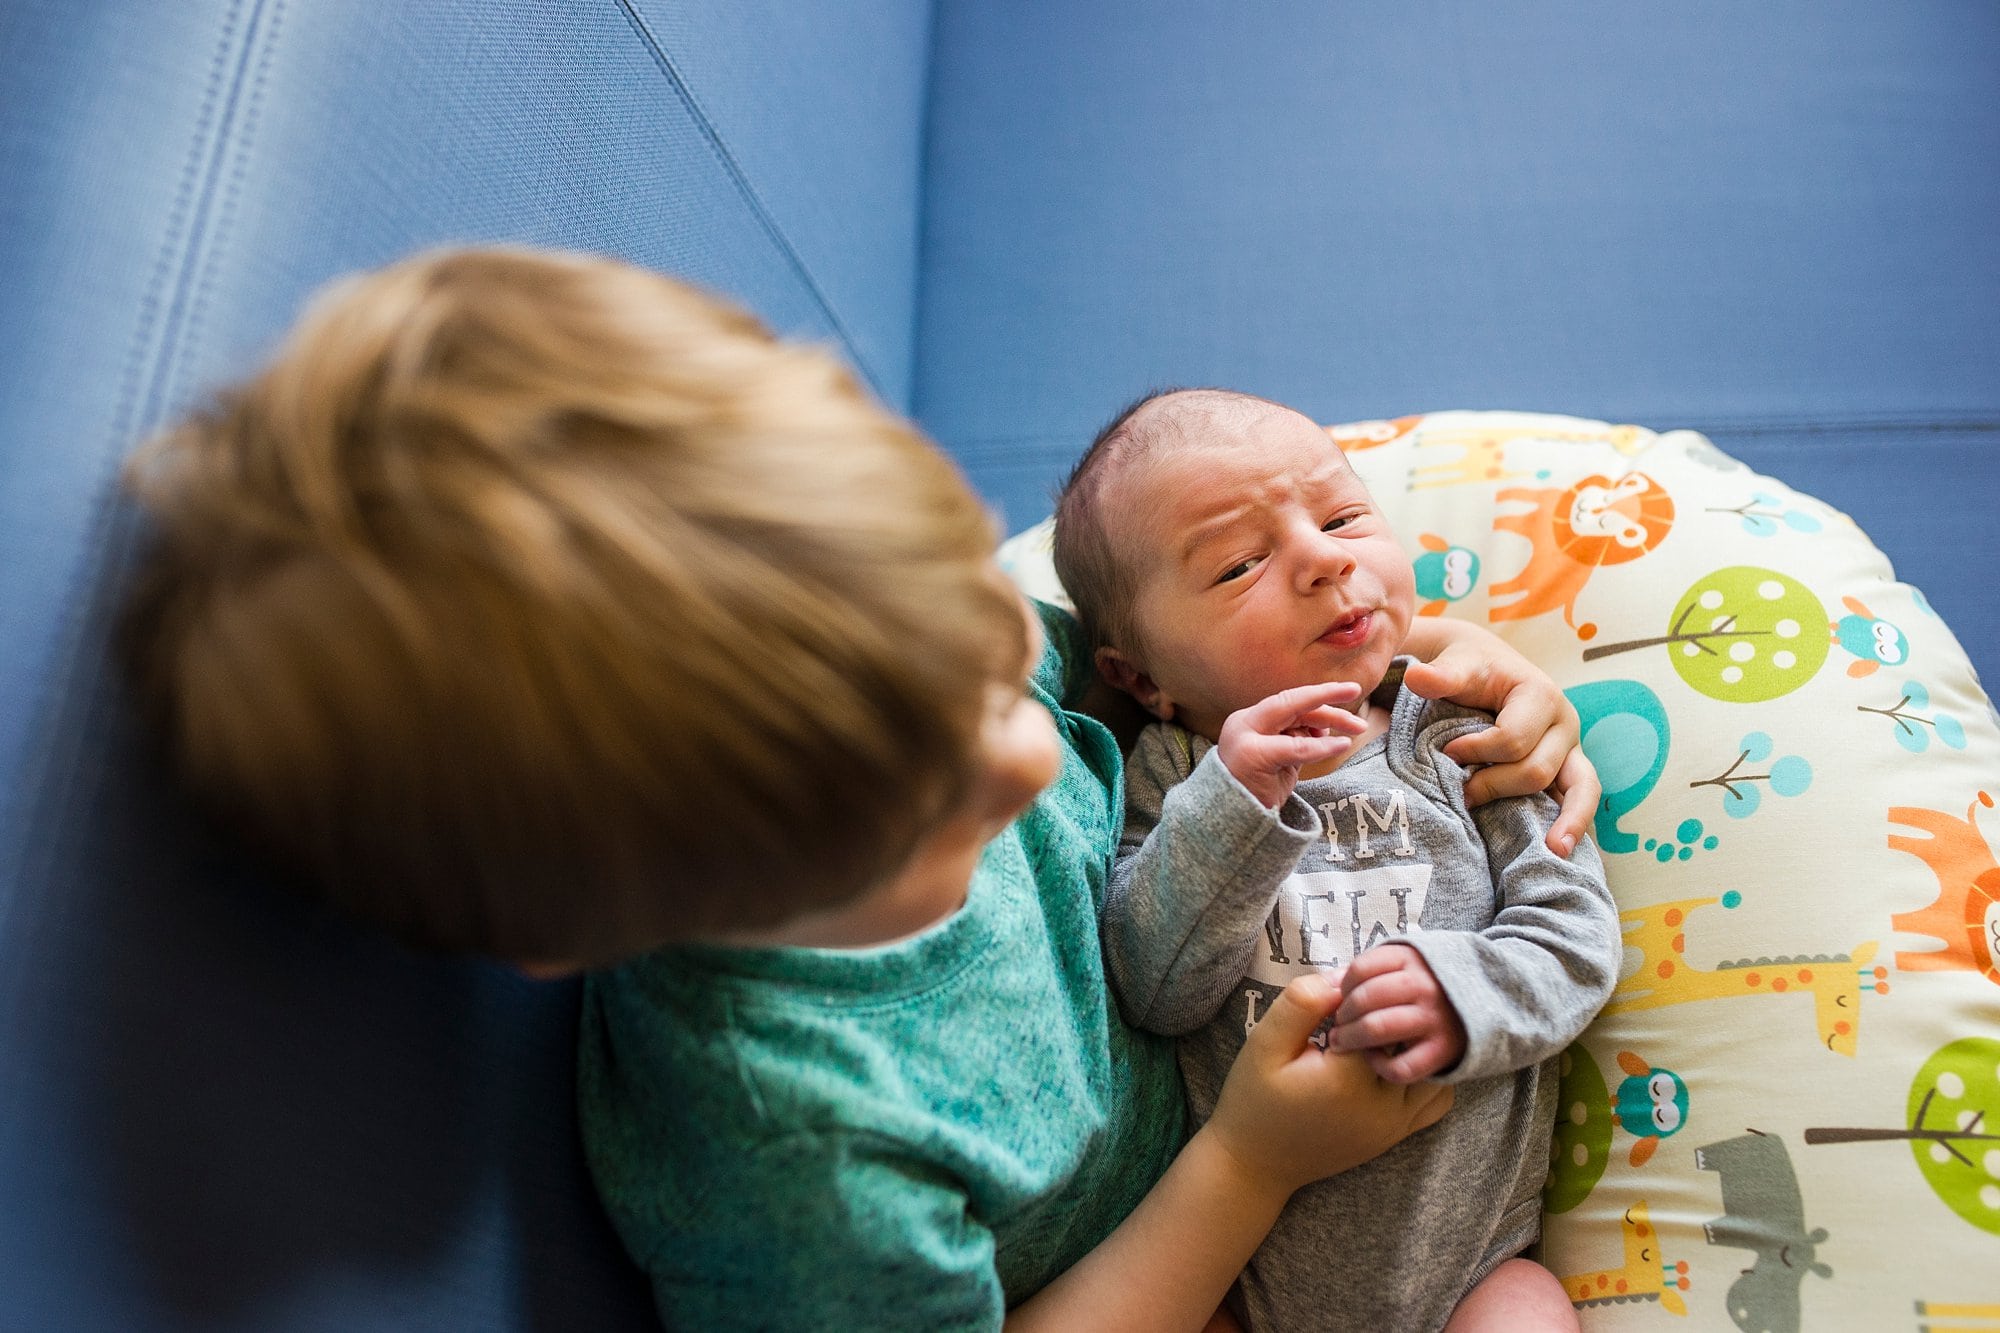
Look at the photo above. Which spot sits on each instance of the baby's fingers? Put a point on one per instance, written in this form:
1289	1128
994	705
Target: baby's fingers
1381	1029
1412	1063
1379	961
1290	708
1294	751
1331	719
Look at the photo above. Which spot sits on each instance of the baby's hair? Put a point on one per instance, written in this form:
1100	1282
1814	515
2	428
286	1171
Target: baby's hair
540	606
1098	575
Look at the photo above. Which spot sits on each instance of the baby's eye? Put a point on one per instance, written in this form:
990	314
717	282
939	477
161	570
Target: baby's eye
1237	571
1338	521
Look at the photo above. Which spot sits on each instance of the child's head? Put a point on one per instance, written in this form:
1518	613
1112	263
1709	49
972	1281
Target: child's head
1219	549
540	606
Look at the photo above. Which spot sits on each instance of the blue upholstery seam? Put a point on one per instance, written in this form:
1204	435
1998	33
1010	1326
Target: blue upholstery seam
57	787
751	197
925	133
1852	426
240	131
186	266
194	254
963	446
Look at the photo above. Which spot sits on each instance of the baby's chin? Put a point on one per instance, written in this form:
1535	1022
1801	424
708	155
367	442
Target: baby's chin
1364	666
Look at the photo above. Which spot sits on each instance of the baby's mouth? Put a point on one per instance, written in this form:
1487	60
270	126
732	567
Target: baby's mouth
1349	631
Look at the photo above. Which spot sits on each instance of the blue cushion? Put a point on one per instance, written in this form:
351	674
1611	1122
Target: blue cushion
222	1110
1771	223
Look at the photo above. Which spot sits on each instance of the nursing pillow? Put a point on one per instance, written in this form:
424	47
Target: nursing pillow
1788	1115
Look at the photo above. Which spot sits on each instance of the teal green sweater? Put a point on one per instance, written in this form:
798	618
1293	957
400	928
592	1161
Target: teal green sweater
914	1136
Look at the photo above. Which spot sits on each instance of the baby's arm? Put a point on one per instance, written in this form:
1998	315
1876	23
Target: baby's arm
1204	850
1461	1004
1289	1113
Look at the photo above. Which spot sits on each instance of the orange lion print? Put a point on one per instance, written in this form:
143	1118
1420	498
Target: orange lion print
1965	917
1596	522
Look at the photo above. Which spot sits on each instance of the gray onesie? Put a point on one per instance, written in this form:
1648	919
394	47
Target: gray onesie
1217	902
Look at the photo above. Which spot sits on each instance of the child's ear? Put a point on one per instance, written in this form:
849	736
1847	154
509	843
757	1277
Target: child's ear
1122	673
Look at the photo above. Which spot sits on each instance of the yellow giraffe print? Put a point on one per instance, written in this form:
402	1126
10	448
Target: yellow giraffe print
1986	1313
1664	976
1483	456
1645	1275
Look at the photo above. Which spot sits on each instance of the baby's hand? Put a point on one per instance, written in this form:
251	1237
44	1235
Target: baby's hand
1290	1112
1265	745
1394	1012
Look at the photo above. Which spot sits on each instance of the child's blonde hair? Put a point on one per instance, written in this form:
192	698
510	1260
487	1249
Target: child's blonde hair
540	606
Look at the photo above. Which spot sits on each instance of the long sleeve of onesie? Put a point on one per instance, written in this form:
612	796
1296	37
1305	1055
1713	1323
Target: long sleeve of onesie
1199	866
1527	985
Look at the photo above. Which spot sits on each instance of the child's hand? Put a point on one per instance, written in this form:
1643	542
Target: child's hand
1265	745
1535	740
1291	1113
1397	1015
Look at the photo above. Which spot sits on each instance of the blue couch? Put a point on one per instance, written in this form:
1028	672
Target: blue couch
218	1110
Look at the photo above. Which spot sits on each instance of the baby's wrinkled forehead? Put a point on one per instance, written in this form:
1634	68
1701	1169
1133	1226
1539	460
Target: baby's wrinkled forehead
1196	418
1163	444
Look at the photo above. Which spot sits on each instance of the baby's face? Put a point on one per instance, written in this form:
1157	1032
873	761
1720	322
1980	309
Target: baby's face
1265	565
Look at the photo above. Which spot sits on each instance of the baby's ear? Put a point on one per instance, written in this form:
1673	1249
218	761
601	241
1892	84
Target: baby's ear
1122	673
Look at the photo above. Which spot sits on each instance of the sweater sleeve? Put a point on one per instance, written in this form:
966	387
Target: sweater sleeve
1199	866
1528	984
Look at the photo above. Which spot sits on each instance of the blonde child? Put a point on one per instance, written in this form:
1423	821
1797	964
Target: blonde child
1294	813
539	606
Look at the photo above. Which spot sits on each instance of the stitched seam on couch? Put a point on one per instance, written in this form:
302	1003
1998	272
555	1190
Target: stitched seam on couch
169	324
1005	448
755	201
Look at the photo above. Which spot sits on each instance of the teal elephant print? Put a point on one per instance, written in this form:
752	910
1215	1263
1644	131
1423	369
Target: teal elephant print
1763	1211
1625	735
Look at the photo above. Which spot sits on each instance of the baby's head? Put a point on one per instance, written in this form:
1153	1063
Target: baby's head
537	605
1219	549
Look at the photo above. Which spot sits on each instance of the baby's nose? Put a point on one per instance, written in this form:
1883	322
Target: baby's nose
1327	559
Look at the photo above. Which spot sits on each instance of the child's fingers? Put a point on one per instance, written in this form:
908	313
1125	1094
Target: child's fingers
1450	676
1288	1025
1562	769
1579	790
1492	745
1366	1115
